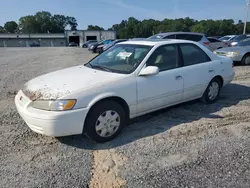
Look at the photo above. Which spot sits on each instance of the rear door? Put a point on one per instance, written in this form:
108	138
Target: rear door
197	70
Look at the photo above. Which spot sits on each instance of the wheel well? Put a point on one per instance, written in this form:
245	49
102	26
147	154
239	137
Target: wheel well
245	56
119	100
220	78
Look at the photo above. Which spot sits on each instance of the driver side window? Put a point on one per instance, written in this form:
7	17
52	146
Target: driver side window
164	57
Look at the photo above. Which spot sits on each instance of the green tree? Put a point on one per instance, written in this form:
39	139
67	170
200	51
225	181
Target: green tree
59	23
72	22
94	27
28	24
2	29
11	27
44	22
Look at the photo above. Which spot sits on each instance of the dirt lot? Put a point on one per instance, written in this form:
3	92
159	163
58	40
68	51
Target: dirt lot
189	145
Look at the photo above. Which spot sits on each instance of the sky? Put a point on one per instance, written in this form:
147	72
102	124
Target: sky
105	13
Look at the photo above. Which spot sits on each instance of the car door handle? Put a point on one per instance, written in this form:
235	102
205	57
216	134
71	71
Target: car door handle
178	77
211	70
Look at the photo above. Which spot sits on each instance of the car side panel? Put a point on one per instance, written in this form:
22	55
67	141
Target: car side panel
124	88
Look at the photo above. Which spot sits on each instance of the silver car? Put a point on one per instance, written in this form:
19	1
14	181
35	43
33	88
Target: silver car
239	53
196	37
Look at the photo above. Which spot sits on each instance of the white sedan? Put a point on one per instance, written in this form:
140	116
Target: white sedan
128	80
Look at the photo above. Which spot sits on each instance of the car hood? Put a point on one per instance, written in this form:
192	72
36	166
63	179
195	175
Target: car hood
107	45
60	83
232	49
101	46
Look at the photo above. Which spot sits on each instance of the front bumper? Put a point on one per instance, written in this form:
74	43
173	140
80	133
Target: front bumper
50	123
236	58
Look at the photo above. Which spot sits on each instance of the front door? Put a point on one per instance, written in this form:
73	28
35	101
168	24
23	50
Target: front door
164	89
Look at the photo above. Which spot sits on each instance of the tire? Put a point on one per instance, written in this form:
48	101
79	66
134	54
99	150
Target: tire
245	60
98	50
96	120
207	98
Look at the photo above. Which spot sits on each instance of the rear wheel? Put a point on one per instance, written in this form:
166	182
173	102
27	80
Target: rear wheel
246	60
212	92
105	121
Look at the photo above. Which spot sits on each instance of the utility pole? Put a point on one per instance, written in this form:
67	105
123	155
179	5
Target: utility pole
245	25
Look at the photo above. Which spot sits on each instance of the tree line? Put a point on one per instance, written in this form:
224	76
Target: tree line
45	22
41	22
134	28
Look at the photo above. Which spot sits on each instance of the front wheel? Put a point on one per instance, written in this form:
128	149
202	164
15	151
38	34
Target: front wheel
212	92
246	60
105	121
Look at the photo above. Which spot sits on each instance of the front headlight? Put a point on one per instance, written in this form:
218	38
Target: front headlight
232	53
54	105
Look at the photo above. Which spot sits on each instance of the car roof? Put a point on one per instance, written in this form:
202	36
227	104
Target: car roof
153	42
174	33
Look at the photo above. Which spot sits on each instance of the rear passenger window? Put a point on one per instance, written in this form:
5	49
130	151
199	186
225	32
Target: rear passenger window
191	37
182	36
192	54
169	37
195	38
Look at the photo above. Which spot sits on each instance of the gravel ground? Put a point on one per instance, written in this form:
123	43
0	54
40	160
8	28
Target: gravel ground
189	145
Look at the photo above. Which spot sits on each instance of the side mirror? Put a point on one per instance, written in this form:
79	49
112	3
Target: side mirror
150	70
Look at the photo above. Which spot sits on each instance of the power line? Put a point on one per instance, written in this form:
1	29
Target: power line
245	25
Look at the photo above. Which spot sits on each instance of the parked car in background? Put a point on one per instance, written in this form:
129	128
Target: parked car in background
97	47
107	46
73	44
126	81
216	44
197	37
237	39
216	37
35	45
228	38
240	53
85	45
138	39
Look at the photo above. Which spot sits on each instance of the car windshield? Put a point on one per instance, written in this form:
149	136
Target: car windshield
239	38
245	42
121	58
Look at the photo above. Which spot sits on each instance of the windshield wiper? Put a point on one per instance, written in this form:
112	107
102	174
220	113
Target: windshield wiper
101	67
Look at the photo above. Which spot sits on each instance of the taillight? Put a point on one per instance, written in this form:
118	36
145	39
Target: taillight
206	43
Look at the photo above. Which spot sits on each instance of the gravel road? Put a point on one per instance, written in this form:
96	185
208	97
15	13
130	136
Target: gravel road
189	145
